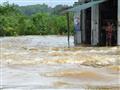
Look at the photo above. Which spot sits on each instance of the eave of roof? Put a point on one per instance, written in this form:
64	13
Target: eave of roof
84	6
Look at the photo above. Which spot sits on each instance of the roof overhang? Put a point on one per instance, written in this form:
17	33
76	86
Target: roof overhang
84	6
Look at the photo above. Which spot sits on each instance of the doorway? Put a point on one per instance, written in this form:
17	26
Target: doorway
88	26
108	13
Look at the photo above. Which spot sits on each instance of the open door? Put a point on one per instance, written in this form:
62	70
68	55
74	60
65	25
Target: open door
108	12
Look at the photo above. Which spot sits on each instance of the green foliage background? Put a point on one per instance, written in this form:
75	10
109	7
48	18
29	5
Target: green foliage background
32	20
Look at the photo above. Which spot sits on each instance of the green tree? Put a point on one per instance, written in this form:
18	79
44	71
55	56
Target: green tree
13	23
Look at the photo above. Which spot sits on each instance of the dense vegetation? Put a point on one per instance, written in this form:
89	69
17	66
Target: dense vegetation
32	20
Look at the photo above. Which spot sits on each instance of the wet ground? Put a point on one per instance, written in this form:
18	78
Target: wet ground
45	62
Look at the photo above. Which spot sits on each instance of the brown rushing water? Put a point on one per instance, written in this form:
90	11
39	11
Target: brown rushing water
42	62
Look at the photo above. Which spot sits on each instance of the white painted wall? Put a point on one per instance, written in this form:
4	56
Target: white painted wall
118	22
95	25
77	33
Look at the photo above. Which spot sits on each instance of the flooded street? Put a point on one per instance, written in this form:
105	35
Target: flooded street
42	62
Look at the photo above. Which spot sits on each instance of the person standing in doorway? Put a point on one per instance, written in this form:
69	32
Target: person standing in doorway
109	32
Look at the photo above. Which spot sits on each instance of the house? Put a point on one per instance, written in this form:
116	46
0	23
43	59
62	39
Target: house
90	16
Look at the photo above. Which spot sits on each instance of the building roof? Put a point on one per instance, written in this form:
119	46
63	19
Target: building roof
84	6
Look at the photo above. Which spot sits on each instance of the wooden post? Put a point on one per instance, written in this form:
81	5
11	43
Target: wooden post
118	35
95	25
68	29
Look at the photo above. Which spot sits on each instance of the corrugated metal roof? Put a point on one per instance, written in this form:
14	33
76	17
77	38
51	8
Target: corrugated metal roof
84	6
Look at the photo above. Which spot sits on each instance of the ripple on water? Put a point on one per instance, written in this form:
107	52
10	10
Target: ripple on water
85	75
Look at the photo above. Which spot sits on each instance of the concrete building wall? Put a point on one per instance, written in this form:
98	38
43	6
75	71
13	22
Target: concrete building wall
95	25
77	29
118	22
83	23
79	35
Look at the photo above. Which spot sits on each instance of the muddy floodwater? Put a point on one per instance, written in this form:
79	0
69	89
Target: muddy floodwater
45	62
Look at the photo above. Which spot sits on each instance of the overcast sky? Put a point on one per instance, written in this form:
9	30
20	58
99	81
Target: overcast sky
49	2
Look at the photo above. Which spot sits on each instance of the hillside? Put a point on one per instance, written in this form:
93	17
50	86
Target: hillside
41	8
